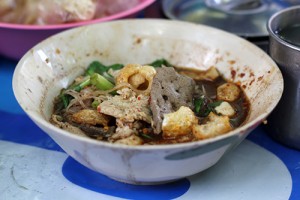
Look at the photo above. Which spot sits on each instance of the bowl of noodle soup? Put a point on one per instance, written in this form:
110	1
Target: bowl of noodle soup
54	64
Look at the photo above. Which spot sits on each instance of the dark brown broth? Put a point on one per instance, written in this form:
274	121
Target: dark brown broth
241	106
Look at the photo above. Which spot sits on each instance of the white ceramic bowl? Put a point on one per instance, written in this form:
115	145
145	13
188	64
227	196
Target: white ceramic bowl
55	62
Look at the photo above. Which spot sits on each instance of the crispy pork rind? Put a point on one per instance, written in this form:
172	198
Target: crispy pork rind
178	123
216	125
138	76
225	109
228	92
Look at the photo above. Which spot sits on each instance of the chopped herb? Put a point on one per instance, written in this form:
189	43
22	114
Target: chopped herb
100	82
211	107
160	63
109	77
146	136
97	74
198	104
97	67
202	108
206	112
215	104
66	98
116	67
80	86
95	104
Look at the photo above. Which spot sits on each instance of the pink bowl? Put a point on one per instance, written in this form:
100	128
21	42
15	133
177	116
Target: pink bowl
17	39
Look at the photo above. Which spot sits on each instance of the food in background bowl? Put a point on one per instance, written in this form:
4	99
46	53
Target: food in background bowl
60	11
16	38
56	62
149	104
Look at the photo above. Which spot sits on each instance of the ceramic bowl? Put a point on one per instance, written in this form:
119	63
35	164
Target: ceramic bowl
17	39
55	62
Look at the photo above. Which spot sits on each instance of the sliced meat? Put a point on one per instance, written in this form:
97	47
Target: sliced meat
130	109
57	121
169	92
97	132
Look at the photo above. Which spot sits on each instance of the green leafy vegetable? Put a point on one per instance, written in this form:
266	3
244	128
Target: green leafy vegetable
97	67
100	82
215	104
66	98
97	74
116	66
146	136
95	104
202	108
80	86
198	104
160	63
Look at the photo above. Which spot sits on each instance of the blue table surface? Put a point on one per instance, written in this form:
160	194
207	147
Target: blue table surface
12	117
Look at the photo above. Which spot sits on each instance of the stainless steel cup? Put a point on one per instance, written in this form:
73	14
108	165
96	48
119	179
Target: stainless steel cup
284	122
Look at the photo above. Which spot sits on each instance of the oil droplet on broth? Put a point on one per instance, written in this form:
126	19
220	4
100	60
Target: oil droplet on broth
290	34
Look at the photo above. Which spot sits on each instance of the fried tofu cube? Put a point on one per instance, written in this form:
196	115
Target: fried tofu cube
225	109
178	123
217	125
228	92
